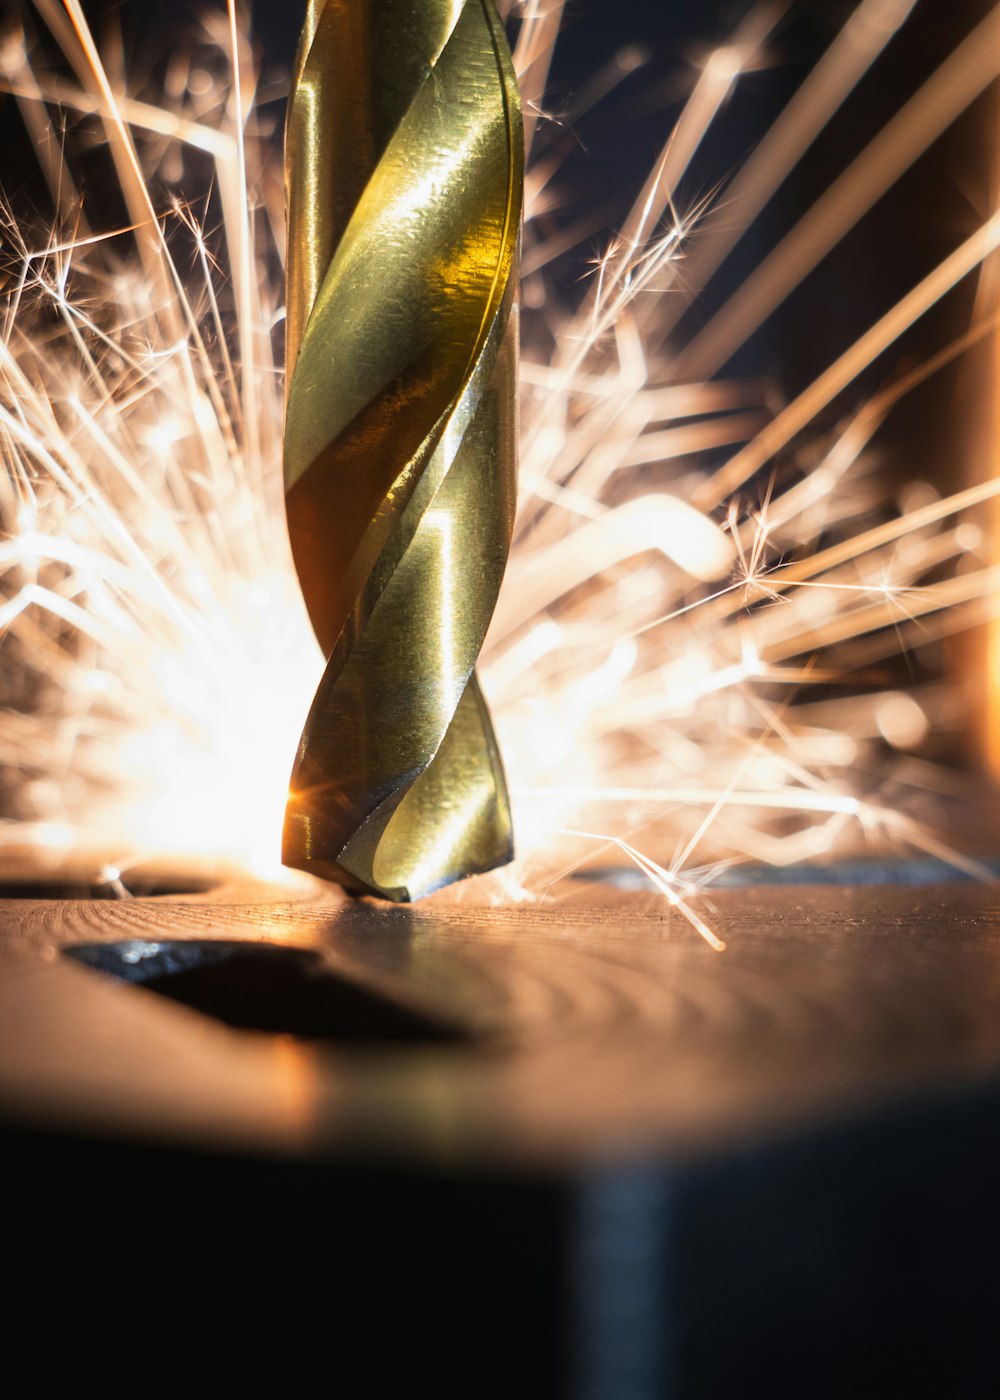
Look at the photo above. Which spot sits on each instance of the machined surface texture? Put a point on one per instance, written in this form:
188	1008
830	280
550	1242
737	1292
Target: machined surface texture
574	1031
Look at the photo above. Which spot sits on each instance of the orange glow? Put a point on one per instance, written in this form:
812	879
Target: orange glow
665	613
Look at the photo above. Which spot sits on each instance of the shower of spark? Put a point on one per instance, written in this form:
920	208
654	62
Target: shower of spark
663	617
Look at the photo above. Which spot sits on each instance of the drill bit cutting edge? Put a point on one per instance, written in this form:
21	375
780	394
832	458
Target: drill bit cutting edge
404	168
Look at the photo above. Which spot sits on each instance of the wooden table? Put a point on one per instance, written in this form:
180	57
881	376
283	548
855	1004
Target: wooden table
655	1168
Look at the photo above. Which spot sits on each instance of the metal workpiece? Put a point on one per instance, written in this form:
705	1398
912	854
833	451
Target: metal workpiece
404	166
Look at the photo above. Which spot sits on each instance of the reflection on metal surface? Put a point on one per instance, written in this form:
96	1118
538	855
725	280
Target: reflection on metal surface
404	164
849	872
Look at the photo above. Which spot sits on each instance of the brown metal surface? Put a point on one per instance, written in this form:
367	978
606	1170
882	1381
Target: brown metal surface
569	1032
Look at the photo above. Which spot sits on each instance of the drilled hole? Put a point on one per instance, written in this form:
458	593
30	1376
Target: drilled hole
263	987
138	886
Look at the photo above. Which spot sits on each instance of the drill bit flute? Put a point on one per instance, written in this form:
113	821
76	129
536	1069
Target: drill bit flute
404	166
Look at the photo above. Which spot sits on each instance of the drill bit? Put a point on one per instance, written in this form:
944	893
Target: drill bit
405	171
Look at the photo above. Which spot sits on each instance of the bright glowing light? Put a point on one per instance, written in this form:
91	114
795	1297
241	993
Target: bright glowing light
651	657
901	720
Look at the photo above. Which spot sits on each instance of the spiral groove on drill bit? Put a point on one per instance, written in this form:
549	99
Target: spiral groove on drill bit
404	163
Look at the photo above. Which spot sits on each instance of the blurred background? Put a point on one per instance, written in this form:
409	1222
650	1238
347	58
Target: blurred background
620	76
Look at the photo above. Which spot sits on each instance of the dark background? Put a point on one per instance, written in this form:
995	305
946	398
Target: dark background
936	433
610	149
939	201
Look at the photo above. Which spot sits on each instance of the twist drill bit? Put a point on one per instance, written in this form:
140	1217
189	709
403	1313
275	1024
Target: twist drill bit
404	166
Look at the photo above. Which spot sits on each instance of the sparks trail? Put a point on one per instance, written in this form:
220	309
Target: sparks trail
664	616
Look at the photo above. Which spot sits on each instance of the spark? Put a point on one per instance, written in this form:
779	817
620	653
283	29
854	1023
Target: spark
665	614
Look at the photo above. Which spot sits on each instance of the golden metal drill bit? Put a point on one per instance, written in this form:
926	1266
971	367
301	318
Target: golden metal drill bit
404	165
